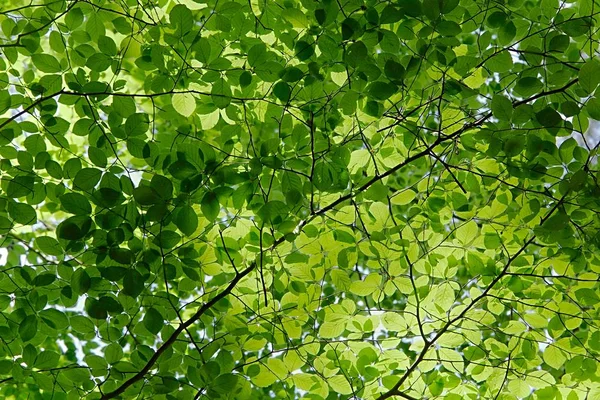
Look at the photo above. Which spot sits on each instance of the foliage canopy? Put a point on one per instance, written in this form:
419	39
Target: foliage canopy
284	199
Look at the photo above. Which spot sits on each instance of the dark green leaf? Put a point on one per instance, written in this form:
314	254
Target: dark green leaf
22	213
182	169
99	62
210	206
356	53
245	79
133	283
28	328
548	117
153	320
394	70
86	179
186	220
80	281
221	93
303	50
146	196
76	203
97	156
44	279
502	108
281	90
167	239
381	90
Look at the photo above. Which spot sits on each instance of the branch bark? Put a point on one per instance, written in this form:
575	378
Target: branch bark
207	306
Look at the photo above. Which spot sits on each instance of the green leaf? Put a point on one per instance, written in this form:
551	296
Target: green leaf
356	53
82	325
303	50
43	279
167	239
181	18
74	18
182	169
507	33
245	79
97	156
86	179
46	63
46	359
113	353
184	103
108	46
54	169
366	287
76	203
273	211
202	50
548	117
153	320
20	186
99	62
394	70
528	86
163	186
74	228
467	232
210	206
186	220
588	297
225	383
339	384
111	305
592	107
412	8
329	330
448	28
295	17
502	108
381	90
80	281
77	375
146	196
257	54
49	245
559	43
390	14
291	74
137	124
221	93
431	9
28	328
5	367
95	26
554	357
133	283
282	91
22	213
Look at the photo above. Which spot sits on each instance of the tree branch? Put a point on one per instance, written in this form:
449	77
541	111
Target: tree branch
140	375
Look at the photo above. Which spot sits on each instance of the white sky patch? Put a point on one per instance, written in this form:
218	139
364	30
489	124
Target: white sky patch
3	256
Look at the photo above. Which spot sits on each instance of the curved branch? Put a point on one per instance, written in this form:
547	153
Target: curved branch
207	306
